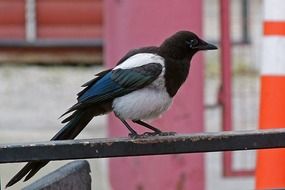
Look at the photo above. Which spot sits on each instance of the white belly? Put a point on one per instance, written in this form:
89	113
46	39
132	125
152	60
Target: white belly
146	103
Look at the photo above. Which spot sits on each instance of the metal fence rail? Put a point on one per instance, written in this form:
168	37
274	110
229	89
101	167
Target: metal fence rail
120	147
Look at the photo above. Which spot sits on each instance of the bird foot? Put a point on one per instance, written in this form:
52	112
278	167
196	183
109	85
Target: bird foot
170	133
134	135
150	134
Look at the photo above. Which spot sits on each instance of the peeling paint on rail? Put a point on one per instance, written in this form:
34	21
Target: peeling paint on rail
151	145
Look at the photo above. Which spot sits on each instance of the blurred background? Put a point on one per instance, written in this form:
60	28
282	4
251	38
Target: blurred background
49	48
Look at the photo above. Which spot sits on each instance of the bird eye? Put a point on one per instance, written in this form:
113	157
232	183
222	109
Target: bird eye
192	43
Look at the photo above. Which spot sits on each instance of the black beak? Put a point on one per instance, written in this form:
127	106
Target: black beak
206	46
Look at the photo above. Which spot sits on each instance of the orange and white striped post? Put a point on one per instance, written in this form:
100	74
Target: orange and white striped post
270	169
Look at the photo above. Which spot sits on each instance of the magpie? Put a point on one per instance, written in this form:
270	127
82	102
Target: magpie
140	87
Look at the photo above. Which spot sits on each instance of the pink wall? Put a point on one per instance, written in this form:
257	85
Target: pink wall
12	19
135	23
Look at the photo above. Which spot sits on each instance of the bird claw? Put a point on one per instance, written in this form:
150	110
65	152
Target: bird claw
150	134
134	135
170	133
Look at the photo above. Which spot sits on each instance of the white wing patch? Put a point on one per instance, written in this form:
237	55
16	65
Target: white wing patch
139	60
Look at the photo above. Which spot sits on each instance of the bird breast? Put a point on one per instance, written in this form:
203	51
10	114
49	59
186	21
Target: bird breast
146	103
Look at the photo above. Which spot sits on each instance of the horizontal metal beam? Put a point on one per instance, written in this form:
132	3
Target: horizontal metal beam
50	43
120	147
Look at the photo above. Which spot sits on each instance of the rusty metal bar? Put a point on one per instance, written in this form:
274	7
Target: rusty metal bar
225	96
56	43
158	145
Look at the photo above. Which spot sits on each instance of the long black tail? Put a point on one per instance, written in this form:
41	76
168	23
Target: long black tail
76	124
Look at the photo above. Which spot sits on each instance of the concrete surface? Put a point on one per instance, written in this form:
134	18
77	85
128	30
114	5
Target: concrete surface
72	176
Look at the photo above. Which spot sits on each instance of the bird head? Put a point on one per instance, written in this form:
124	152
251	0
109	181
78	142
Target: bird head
184	44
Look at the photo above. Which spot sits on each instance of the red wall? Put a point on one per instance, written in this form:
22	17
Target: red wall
12	19
56	19
136	23
69	19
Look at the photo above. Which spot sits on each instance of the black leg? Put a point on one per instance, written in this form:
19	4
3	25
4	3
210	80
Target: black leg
157	131
133	132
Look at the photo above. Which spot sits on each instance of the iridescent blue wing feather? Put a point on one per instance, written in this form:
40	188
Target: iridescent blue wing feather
116	83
